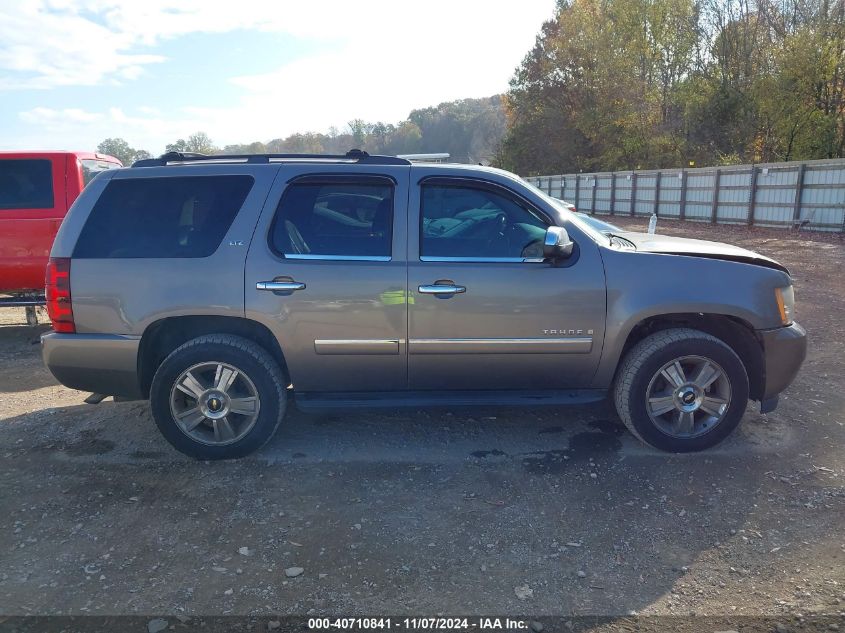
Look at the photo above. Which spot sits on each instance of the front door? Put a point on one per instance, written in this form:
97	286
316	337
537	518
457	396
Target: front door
486	313
326	273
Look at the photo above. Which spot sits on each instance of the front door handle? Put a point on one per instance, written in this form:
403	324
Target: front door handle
280	286
442	289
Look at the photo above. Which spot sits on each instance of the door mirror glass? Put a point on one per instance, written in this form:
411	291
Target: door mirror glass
557	244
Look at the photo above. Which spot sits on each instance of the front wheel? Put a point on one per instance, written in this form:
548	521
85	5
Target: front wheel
681	390
218	397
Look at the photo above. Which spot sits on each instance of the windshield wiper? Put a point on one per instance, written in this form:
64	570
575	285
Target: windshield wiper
618	240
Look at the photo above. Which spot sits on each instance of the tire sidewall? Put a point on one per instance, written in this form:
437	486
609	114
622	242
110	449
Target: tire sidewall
271	410
705	348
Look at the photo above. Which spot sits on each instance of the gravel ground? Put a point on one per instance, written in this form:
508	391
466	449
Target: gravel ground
542	511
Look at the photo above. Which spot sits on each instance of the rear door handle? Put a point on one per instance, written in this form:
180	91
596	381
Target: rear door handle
442	289
280	286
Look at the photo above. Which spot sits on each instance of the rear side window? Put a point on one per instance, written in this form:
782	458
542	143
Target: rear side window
345	220
26	184
162	217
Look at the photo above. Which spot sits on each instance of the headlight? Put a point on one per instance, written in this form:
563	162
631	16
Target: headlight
786	304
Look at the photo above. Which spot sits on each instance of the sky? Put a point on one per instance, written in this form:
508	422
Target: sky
74	72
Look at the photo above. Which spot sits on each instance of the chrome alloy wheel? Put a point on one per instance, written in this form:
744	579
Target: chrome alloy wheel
688	397
214	403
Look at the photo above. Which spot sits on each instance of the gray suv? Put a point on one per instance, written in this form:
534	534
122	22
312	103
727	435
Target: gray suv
225	288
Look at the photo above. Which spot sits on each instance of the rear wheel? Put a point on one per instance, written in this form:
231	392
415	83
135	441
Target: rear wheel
681	390
218	397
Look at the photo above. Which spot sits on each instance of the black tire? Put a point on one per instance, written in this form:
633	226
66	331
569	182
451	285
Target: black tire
647	357
247	357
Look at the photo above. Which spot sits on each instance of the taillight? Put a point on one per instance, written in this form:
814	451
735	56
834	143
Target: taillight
58	295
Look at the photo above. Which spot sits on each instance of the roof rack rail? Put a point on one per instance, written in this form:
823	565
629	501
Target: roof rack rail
357	156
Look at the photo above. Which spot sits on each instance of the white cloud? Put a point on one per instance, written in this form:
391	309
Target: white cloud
47	43
72	128
44	47
404	56
49	116
375	59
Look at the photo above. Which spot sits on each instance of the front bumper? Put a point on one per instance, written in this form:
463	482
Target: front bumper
99	363
784	349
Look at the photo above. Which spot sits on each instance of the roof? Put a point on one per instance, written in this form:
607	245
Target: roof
52	152
354	156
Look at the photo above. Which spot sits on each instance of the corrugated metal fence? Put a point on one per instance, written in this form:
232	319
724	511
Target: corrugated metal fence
809	194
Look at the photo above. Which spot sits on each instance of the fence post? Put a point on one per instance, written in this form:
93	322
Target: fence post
593	195
656	209
799	188
752	200
714	210
633	193
613	193
682	212
577	189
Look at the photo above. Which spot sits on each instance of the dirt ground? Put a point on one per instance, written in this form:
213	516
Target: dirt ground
540	511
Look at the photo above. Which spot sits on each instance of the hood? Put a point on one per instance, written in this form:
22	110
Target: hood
667	245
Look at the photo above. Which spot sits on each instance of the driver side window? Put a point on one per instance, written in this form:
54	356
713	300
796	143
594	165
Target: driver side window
464	222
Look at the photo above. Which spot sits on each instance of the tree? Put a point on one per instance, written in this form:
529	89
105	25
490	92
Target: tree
600	84
405	138
379	135
359	129
631	84
198	143
256	147
468	129
121	150
307	143
179	146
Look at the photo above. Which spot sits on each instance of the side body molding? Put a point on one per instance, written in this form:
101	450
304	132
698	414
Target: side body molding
335	347
566	345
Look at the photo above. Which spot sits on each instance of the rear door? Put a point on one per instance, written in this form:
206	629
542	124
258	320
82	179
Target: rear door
486	312
162	242
326	273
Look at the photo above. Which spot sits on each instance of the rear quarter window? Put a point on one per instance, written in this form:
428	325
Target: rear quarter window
26	184
172	217
91	167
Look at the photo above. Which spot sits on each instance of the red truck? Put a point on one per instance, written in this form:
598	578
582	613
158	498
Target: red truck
36	191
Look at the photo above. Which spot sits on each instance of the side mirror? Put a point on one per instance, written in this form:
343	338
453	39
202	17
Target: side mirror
557	244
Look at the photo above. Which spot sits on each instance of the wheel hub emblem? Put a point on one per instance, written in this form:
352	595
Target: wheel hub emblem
214	404
689	397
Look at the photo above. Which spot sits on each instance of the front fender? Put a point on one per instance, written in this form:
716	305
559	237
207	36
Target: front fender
645	285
